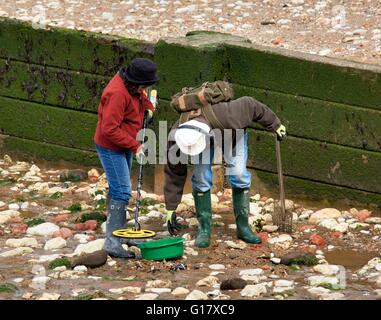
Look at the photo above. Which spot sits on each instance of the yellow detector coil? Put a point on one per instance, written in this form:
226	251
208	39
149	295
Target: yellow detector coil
132	233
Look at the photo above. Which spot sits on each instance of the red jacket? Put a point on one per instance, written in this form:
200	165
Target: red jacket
120	117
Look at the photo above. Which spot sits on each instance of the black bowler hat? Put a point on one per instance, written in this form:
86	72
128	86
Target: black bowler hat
142	72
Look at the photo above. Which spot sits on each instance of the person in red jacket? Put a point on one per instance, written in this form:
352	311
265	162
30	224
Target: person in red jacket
120	117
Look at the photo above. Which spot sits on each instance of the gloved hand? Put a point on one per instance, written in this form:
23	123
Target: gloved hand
281	132
141	154
172	224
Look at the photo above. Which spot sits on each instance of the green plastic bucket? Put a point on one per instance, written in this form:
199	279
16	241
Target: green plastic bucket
162	249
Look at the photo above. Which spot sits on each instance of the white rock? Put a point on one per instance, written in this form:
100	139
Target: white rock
13	206
179	291
209	281
131	289
116	290
318	291
276	260
283	241
43	229
332	224
268	218
232	226
373	220
317	280
324	52
284	283
55	243
16	252
90	247
80	269
39	282
49	296
18	280
103	227
82	238
7	215
187	199
327	269
358	225
2	204
159	290
255	209
332	296
23	242
154	214
159	283
69	274
254	290
270	228
197	295
147	296
217	267
240	245
190	251
297	2
327	213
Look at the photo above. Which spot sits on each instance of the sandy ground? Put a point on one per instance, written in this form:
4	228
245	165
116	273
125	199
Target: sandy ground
343	29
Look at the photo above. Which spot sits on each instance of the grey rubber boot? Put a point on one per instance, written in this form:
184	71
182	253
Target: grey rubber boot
116	219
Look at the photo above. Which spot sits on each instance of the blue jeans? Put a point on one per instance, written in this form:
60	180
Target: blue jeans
238	175
117	165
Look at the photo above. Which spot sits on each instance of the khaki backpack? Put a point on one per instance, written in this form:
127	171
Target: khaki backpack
192	102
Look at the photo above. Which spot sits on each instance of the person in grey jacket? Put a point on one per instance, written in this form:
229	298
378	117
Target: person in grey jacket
191	137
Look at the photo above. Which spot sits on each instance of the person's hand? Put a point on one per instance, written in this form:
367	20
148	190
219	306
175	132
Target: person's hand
172	224
141	154
281	132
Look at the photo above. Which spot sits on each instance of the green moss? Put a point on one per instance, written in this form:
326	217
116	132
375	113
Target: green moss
317	161
59	262
308	260
73	49
148	202
327	121
8	288
330	286
101	204
99	192
34	222
56	195
99	217
265	182
75	207
40	150
7	182
300	76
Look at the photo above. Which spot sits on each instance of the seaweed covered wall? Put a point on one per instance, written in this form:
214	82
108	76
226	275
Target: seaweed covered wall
51	82
50	87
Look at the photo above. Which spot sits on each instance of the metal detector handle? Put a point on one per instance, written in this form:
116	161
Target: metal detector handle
280	177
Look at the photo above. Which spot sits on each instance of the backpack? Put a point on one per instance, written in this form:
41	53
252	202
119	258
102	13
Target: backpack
192	102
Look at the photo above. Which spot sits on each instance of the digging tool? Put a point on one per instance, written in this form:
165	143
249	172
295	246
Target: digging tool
137	232
284	220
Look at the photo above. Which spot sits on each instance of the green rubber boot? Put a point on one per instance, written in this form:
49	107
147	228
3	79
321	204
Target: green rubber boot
203	205
241	204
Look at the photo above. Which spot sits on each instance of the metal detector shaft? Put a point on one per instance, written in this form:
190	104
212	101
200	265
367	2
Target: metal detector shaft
140	176
281	186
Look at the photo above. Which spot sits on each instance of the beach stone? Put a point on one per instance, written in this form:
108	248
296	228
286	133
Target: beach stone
23	242
209	281
7	215
43	229
327	213
233	284
197	295
55	243
16	252
255	290
179	291
90	247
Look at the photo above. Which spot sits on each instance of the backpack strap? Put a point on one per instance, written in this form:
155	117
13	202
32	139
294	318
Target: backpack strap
209	114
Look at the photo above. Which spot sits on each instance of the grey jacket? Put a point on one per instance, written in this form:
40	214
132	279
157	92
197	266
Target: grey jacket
235	114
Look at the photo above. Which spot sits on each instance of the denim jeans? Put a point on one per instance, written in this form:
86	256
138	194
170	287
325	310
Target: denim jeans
238	175
117	165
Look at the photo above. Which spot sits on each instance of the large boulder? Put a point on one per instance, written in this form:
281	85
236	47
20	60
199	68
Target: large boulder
327	213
